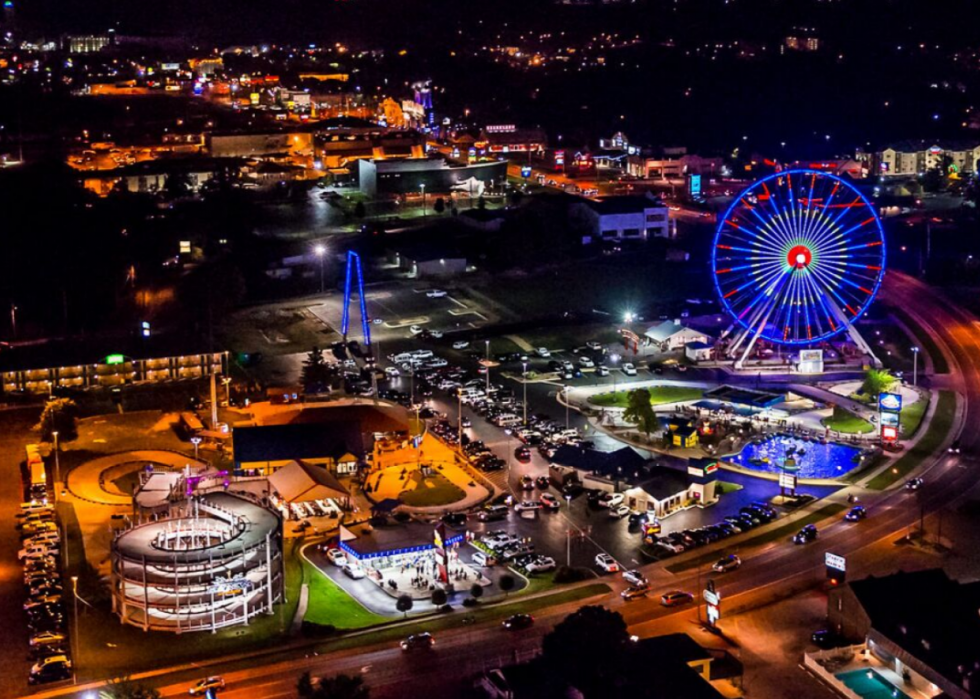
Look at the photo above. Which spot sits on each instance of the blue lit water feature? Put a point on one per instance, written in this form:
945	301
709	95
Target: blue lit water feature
805	458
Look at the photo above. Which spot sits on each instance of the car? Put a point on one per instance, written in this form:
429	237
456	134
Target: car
435	293
499	540
549	501
632	593
337	557
50	669
594	345
523	454
619	511
415	329
541	564
856	513
37	552
460	345
805	535
676	598
484	560
606	563
914	484
542	482
825	638
954	448
455	519
418	641
728	563
392	372
493	513
47	638
629	369
50	601
527	505
527	482
586	362
213	683
602	370
635	578
518	622
611	500
543	352
354	571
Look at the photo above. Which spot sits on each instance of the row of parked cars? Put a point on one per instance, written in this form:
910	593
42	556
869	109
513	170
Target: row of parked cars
749	517
39	556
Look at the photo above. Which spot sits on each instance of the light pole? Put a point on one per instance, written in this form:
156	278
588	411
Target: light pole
568	533
425	213
566	407
459	417
487	367
524	376
321	252
74	630
57	466
13	320
227	382
915	366
195	441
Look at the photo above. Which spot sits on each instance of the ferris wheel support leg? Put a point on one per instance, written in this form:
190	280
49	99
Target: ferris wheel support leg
863	345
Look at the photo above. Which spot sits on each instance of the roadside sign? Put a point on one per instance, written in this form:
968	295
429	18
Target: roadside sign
836	568
525	171
788	481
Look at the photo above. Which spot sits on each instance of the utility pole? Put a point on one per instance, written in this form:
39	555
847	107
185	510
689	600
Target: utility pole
524	377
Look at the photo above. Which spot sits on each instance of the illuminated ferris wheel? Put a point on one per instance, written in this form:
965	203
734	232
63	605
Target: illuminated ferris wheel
797	258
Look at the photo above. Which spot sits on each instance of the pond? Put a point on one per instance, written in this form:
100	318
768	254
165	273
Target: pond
805	458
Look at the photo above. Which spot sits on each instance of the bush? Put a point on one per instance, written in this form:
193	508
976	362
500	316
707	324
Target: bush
312	630
564	574
470	602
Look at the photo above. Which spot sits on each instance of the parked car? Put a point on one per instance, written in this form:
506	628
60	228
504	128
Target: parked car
542	482
354	571
493	513
527	482
435	293
484	560
47	638
805	535
728	563
635	578
337	557
611	500
50	669
606	563
415	330
629	369
602	370
418	641
675	598
586	362
460	345
541	564
619	511
523	454
594	345
542	352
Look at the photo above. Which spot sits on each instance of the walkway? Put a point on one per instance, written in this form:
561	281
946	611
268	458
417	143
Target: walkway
87	481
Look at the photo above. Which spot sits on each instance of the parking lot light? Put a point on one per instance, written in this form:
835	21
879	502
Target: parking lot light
524	376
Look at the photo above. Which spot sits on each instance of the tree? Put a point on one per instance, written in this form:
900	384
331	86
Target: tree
876	381
639	410
59	415
339	687
481	203
125	688
440	205
316	372
589	649
404	604
476	592
507	583
359	210
439	597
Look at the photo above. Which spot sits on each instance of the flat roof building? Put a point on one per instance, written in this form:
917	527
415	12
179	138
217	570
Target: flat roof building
434	175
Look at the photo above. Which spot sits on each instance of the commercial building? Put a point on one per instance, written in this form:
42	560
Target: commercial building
673	163
337	447
912	158
211	562
625	218
670	335
413	175
917	630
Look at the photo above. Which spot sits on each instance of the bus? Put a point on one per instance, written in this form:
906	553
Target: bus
35	466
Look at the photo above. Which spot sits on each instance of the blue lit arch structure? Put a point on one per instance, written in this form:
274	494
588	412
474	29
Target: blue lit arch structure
354	267
797	258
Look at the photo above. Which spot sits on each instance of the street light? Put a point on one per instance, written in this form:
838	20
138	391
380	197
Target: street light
74	630
566	407
425	213
524	376
487	367
57	466
459	416
915	366
321	251
195	441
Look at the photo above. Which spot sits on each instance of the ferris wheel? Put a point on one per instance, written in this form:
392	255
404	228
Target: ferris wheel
797	258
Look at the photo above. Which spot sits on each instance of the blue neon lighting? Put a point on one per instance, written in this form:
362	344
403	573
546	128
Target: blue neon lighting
354	266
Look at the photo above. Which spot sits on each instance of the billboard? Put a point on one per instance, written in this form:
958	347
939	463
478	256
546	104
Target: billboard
694	186
889	433
890	402
890	419
836	568
788	481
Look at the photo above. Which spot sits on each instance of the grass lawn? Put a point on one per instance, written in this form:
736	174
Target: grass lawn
432	490
939	362
783	532
568	338
938	430
658	396
911	416
329	604
847	423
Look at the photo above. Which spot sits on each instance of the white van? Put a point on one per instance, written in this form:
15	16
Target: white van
484	560
422	354
507	420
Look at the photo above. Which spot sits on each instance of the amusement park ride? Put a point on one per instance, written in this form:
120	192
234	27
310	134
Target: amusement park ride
797	259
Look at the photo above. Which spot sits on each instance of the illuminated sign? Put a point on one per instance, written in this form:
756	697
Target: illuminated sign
788	481
890	419
713	599
185	247
694	185
889	433
890	401
115	359
811	355
501	128
559	157
935	150
836	562
525	171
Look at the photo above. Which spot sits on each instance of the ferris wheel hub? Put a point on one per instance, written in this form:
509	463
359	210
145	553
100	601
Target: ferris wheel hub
800	256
